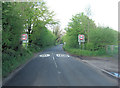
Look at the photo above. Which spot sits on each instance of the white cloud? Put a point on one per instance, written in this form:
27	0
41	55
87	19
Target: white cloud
104	12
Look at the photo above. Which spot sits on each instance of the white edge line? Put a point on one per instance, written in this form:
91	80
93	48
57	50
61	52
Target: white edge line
102	70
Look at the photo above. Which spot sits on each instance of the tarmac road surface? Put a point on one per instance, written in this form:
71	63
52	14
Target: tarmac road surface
54	67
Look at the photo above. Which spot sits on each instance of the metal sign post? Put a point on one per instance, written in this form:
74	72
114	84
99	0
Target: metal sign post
26	44
79	44
81	39
24	37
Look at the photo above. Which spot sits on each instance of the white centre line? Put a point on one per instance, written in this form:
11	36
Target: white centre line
59	72
56	65
55	62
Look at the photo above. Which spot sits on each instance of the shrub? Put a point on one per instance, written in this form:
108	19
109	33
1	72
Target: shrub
84	52
90	46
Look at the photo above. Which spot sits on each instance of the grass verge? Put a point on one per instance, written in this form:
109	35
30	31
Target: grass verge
80	52
11	59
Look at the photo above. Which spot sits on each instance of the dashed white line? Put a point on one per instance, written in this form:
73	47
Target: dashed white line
55	62
59	72
53	58
56	65
68	55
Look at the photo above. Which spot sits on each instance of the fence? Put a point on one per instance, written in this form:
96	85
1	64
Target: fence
112	49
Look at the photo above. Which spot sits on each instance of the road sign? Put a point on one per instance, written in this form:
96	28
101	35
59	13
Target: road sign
24	37
81	40
81	37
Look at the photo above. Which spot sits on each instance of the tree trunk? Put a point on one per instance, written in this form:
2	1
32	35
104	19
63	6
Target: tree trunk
88	32
29	36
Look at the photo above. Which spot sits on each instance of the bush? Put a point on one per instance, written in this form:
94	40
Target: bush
43	37
34	48
12	59
80	52
89	46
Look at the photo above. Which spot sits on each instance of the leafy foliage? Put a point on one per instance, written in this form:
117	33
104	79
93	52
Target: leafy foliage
12	30
96	38
103	36
58	33
78	25
43	37
19	18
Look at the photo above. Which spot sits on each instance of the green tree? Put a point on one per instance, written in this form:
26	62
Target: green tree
57	32
19	18
12	26
78	25
103	36
41	36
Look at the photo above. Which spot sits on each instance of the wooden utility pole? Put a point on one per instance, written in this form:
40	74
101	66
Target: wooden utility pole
88	12
88	30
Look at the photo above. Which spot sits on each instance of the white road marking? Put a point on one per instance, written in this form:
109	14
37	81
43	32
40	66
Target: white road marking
100	69
56	65
62	55
59	72
68	55
55	62
53	58
44	55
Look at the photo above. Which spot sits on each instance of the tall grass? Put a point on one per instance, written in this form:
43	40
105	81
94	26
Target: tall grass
10	61
85	52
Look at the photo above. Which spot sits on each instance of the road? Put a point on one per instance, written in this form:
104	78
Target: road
54	67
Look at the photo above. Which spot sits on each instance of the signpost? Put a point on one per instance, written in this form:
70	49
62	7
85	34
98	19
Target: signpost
24	38
81	39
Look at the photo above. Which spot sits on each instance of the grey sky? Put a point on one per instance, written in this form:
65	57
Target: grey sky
104	12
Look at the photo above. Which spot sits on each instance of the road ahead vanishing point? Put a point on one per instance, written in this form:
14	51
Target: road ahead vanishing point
54	67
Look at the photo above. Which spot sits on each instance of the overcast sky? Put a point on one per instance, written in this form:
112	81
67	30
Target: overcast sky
104	12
